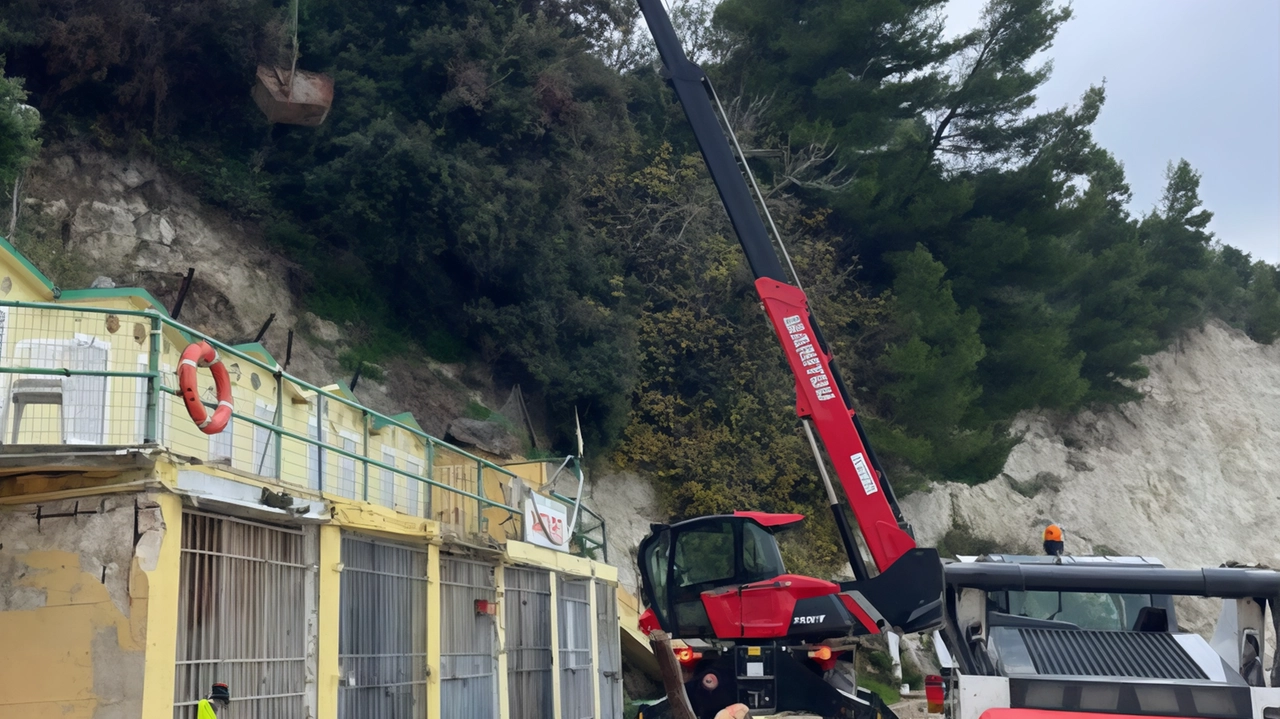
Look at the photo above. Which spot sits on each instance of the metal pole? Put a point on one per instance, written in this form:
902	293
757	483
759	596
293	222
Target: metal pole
279	423
431	474
365	452
842	523
479	493
153	384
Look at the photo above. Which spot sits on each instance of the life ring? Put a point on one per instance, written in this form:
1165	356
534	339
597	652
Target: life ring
202	354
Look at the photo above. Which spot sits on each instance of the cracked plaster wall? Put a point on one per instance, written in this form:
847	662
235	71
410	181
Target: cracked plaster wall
73	606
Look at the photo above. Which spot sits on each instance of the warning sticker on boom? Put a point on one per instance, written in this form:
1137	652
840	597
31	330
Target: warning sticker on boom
864	473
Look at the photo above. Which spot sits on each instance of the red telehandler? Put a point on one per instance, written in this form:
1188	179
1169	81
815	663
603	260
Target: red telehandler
773	640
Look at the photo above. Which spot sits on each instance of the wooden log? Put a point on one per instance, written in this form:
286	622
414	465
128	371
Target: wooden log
672	679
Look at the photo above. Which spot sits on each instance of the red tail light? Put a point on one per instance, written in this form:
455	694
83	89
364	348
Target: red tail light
686	655
934	693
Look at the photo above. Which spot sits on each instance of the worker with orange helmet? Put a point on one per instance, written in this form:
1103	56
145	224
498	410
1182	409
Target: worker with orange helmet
1053	540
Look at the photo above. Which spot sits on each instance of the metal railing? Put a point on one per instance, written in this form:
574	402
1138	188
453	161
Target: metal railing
107	376
589	538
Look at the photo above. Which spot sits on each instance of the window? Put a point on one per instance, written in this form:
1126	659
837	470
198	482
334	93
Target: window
222	444
412	501
704	556
264	440
347	466
162	406
654	567
1087	610
4	360
760	557
316	454
387	487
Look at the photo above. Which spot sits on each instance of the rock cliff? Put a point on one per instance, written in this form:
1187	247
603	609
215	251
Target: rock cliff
124	222
1190	474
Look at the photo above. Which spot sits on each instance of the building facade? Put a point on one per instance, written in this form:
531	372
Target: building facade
320	558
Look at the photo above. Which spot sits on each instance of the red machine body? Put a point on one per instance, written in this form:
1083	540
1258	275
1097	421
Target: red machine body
818	398
762	610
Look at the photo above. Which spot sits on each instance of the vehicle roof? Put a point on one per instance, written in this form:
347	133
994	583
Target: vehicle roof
1070	559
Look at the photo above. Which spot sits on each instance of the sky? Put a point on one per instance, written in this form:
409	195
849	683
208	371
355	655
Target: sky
1193	79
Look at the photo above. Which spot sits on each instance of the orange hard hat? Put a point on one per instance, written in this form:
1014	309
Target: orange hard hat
1053	533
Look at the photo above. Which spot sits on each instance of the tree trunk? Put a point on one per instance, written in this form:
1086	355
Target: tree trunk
672	680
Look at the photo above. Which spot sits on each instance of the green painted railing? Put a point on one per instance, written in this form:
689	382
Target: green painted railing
156	322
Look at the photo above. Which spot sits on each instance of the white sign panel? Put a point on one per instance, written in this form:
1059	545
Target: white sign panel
546	522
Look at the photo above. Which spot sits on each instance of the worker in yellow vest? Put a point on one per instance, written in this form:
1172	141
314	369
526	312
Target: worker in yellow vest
217	702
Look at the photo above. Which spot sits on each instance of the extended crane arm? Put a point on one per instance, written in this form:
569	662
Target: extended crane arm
821	397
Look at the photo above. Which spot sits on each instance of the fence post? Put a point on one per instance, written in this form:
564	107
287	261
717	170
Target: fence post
480	493
279	423
151	433
431	474
365	451
321	456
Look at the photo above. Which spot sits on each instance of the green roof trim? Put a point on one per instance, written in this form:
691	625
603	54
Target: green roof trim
94	293
256	350
403	418
343	391
22	260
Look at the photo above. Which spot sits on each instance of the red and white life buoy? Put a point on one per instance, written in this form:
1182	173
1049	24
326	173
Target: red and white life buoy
202	354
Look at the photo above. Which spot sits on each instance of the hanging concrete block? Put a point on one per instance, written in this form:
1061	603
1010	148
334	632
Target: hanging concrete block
303	99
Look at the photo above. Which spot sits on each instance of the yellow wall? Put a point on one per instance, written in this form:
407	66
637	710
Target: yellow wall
159	592
24	286
330	587
434	631
87	608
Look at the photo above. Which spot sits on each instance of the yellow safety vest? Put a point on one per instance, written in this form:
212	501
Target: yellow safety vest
205	710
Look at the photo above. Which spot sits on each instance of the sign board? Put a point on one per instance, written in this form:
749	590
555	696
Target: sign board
546	522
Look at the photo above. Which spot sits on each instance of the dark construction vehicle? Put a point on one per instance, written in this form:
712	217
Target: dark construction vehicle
1057	638
775	639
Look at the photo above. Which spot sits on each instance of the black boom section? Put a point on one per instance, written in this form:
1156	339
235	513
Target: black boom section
820	618
1224	582
907	595
687	80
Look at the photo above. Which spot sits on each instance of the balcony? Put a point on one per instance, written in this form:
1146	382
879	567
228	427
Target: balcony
88	388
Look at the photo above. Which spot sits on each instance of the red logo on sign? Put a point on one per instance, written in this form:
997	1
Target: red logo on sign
552	527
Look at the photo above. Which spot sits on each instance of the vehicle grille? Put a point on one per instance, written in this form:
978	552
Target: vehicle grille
1083	652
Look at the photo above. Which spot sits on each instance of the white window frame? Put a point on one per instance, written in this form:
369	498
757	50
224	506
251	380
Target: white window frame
413	488
162	405
4	361
316	455
264	440
347	465
387	479
226	437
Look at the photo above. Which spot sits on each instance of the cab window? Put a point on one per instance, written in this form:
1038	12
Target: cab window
760	557
654	565
704	556
1087	610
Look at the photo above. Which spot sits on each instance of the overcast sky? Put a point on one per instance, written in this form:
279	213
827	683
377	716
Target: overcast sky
1194	79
